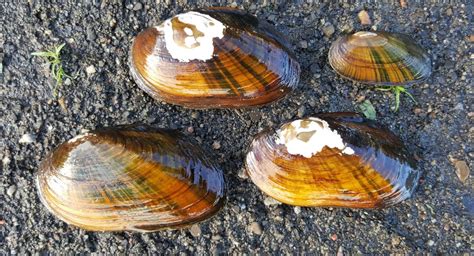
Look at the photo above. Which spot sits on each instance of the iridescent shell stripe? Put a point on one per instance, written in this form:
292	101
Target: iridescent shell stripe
380	64
223	77
134	186
251	66
369	186
245	40
377	174
117	195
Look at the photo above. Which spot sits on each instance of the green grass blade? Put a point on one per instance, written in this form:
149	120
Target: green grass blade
411	96
59	48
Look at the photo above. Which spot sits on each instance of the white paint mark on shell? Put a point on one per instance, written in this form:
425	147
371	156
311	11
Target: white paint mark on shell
199	46
309	136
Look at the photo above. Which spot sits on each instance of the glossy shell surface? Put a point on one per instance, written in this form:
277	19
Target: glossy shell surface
130	178
214	58
335	159
381	58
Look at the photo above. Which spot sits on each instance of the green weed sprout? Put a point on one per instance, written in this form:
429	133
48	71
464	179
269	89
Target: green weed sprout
53	57
397	90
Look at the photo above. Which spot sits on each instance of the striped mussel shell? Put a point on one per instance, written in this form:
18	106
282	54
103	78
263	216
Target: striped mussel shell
380	58
214	58
130	178
332	160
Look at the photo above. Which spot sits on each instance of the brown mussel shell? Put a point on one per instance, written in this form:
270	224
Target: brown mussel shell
130	178
335	159
214	58
380	58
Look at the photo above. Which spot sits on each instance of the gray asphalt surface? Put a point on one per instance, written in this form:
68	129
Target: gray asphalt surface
438	129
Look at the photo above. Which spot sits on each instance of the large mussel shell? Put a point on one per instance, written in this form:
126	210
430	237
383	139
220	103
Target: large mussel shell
335	159
214	58
130	178
381	58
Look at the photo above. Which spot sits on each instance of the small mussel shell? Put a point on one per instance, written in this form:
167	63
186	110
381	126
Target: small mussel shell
130	178
335	159
380	58
214	58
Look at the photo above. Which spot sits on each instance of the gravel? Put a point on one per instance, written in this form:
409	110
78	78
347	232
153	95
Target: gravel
255	228
27	138
438	219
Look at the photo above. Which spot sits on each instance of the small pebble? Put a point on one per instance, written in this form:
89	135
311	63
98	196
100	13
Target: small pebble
190	129
431	243
462	170
297	210
328	29
395	240
243	174
195	115
90	34
364	17
195	230
216	145
301	111
459	106
112	23
27	138
137	7
62	103
303	44
334	237
449	12
6	160
11	190
256	228
270	201
90	70
417	111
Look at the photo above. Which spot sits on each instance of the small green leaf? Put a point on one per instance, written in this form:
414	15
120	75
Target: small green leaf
367	109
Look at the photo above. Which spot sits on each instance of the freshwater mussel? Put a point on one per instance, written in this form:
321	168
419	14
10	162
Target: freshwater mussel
381	58
130	178
214	58
333	159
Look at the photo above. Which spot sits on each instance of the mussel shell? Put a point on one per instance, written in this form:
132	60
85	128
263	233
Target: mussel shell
130	178
364	166
380	58
233	60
